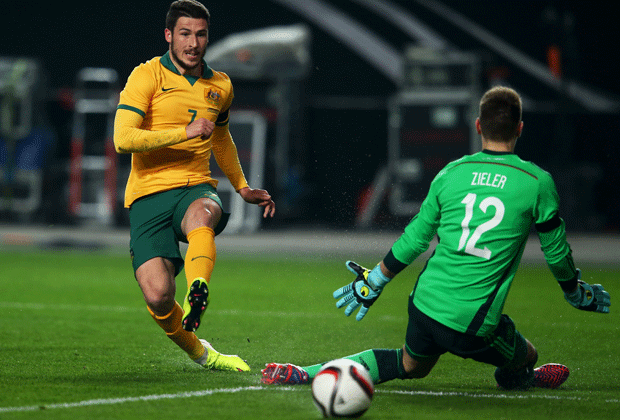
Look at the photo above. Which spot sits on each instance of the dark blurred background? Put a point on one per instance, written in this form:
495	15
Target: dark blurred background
355	130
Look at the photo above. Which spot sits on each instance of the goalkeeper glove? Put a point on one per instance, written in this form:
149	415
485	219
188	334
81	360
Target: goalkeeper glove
364	290
589	297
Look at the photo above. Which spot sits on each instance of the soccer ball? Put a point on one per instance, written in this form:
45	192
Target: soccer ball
342	388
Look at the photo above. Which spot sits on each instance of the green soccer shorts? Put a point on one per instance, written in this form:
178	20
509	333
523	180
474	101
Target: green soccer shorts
155	223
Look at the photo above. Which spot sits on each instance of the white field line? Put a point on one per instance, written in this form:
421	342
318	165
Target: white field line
111	401
114	401
209	392
511	396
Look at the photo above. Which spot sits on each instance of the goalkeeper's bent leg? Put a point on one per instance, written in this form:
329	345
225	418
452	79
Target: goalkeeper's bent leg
518	374
382	364
520	379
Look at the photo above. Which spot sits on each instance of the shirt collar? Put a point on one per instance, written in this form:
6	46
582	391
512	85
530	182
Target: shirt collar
493	152
166	61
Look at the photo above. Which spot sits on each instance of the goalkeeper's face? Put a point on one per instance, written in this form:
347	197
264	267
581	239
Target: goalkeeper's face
188	44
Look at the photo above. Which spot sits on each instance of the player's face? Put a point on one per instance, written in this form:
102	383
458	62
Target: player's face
188	44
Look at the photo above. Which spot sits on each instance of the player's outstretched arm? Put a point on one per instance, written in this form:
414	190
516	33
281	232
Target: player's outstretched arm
588	297
259	197
363	291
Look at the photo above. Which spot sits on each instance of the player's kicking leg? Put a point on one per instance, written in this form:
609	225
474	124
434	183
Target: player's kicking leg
195	304
212	359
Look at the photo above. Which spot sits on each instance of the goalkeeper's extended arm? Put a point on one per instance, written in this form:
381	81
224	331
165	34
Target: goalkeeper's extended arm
364	290
559	257
585	296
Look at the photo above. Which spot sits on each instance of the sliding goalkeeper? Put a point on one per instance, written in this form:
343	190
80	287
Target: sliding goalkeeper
481	207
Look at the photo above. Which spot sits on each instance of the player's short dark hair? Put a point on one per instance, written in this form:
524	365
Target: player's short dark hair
186	8
500	114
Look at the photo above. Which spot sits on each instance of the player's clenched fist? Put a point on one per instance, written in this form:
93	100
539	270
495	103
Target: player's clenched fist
201	127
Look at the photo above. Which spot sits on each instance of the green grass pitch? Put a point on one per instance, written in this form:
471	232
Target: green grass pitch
77	342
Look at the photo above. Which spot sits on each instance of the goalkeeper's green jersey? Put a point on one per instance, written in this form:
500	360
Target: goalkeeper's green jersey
481	207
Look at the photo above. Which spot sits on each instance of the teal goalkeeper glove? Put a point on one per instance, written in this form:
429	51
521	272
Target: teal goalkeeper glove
364	290
589	297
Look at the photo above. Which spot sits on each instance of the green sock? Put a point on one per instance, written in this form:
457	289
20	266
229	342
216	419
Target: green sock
382	364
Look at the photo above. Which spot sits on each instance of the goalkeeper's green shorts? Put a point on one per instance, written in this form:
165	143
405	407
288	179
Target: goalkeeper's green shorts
504	347
155	223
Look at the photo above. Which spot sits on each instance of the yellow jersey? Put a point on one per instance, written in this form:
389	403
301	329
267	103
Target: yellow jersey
155	106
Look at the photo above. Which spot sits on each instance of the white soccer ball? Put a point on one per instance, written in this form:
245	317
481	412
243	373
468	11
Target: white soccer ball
342	388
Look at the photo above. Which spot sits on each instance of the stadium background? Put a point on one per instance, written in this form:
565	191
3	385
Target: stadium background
336	151
105	358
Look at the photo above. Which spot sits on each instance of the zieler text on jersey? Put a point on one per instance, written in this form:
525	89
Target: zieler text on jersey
488	179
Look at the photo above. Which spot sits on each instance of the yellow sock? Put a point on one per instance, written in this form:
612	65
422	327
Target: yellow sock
171	324
200	256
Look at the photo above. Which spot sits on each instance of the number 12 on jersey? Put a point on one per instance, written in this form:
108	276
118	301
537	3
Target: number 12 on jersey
469	242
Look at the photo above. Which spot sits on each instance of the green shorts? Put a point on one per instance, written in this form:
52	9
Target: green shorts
504	347
155	224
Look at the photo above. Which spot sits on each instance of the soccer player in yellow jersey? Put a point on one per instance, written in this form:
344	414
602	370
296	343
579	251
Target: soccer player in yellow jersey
172	113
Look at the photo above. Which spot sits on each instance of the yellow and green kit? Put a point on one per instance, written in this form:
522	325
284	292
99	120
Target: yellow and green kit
155	106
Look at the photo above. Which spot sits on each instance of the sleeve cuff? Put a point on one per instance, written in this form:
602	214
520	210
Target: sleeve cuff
570	284
393	264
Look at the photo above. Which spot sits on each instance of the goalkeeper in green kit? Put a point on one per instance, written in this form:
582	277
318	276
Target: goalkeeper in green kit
481	207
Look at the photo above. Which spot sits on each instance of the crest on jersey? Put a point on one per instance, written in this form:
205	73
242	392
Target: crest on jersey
213	97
